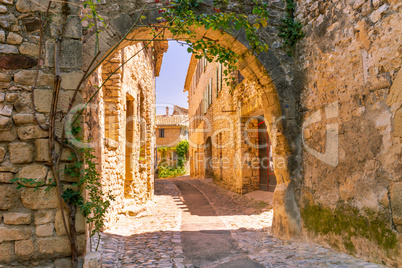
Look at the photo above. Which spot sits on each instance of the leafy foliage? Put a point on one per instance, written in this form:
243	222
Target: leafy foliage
170	172
182	149
290	30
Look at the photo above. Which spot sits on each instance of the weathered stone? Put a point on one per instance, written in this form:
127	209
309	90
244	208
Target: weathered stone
32	24
7	2
28	77
12	233
14	39
6	177
28	118
9	169
396	202
12	97
14	62
31	132
34	171
358	3
2	154
63	263
58	246
376	15
39	199
6	252
5	78
71	57
10	135
8	22
24	105
5	123
3	9
25	6
93	260
44	230
8	49
70	80
24	249
43	99
43	216
29	49
42	150
6	109
2	36
16	218
21	152
2	97
79	223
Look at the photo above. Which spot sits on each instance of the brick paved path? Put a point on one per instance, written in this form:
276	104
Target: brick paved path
224	230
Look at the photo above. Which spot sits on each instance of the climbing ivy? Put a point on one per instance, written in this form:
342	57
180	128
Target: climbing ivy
182	149
290	30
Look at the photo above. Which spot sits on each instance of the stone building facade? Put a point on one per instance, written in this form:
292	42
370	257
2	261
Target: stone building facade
122	125
226	143
170	130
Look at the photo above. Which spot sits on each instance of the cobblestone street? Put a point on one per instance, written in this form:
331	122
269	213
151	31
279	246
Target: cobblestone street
193	223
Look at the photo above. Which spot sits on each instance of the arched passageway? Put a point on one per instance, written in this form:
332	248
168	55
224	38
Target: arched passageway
275	81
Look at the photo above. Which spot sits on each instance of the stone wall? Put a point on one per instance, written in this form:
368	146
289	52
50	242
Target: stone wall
125	122
351	57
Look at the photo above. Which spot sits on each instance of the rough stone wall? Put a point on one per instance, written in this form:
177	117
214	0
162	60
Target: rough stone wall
230	125
126	120
31	228
351	57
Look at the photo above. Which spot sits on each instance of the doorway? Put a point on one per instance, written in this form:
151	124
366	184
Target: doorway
266	168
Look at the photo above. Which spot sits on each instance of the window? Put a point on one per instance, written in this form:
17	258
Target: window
161	133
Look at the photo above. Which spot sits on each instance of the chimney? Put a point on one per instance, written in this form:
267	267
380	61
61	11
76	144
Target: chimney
167	111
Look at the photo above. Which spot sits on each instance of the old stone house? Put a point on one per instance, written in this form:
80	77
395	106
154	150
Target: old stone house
170	130
228	136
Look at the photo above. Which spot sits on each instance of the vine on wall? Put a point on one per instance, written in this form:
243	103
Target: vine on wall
291	30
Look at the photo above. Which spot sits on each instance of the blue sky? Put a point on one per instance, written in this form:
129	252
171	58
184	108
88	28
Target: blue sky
170	83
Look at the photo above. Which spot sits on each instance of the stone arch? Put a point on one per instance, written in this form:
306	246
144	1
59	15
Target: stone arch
276	78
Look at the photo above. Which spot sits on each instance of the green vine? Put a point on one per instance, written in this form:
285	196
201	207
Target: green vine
182	149
291	30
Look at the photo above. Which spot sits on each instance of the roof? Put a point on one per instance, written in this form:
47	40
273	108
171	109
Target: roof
172	120
177	110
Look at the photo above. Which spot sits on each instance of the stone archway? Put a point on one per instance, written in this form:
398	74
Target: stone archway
275	76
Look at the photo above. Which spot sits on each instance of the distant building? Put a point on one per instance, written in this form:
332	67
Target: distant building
170	130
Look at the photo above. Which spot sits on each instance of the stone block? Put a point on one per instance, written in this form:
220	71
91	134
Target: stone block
42	150
31	132
25	6
29	49
2	153
59	246
6	252
44	230
5	123
396	202
20	152
2	36
27	77
6	109
12	97
6	177
39	199
28	119
34	171
79	223
9	22
93	260
14	62
7	2
8	49
24	249
13	233
5	77
3	9
17	218
376	15
62	263
71	56
8	135
14	39
43	100
43	216
69	81
8	196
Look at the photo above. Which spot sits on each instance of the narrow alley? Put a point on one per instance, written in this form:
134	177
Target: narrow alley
194	223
